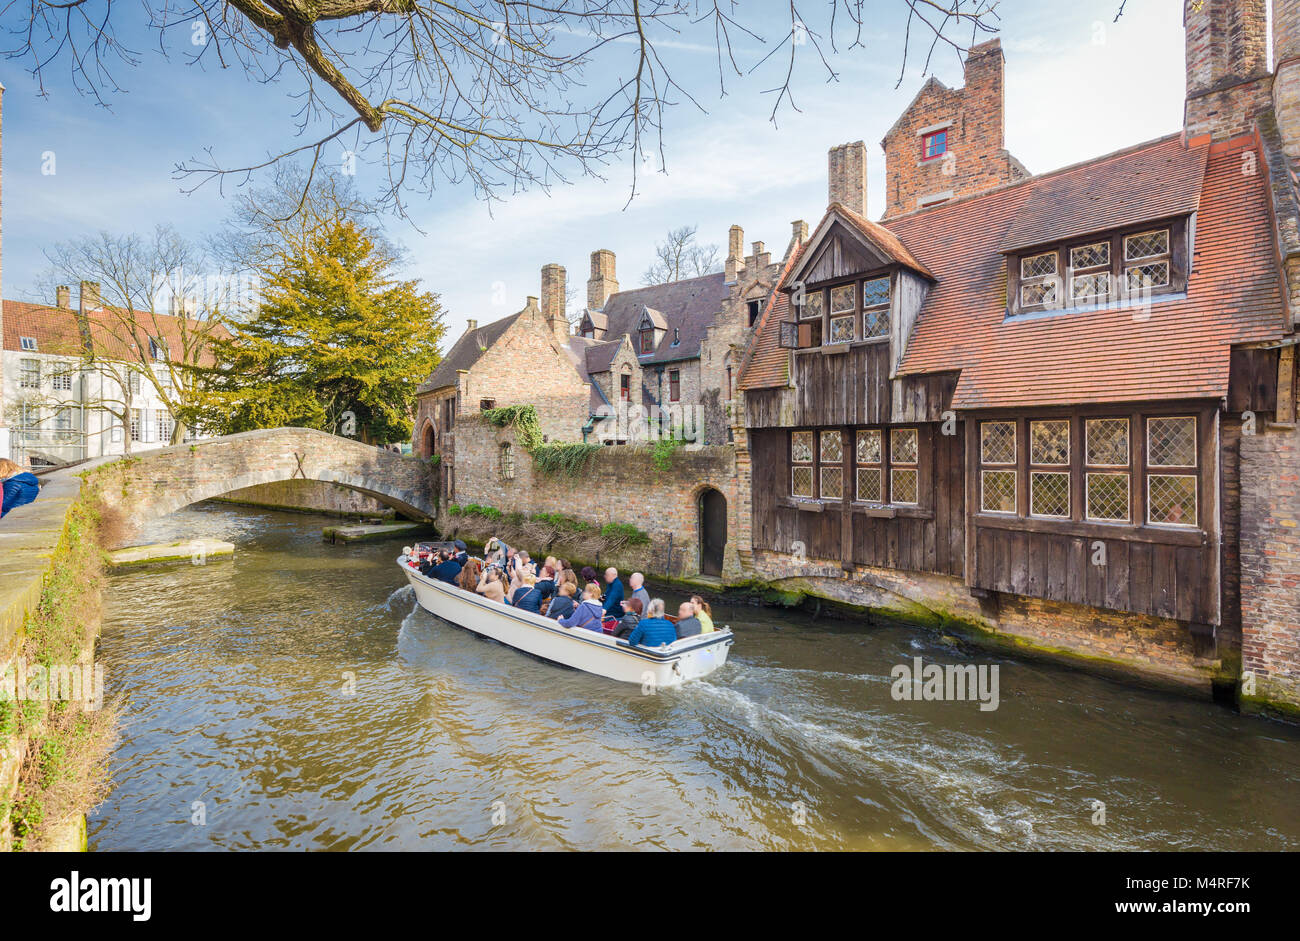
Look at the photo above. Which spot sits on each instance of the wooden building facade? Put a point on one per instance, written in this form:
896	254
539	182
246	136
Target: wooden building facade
1038	392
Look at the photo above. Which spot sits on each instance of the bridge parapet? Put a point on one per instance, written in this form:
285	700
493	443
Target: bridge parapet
154	483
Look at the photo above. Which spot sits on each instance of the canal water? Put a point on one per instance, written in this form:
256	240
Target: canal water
296	698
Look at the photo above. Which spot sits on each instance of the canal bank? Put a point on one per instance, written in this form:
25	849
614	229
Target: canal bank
55	728
298	699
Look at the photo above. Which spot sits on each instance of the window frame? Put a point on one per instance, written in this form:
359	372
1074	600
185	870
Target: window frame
927	138
674	385
27	345
810	464
1118	292
878	466
505	461
821	335
1039	468
29	373
896	465
999	467
1192	471
646	341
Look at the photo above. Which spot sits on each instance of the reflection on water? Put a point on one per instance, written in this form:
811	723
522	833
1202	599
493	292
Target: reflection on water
237	675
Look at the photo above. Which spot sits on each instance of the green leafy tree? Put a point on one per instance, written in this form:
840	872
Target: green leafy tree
338	342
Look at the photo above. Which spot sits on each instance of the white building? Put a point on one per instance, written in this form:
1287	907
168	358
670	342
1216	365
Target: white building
60	404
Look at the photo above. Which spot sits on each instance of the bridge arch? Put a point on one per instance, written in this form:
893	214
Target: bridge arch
154	483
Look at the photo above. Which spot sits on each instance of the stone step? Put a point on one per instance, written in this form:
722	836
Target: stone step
194	551
360	532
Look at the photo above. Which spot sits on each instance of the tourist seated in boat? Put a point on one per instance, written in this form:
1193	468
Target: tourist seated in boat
589	613
546	581
492	585
470	574
567	576
588	576
704	613
20	486
562	605
653	630
462	552
446	569
688	625
527	597
613	597
632	609
636	581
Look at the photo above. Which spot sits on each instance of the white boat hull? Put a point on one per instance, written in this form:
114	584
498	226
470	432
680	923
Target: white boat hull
578	647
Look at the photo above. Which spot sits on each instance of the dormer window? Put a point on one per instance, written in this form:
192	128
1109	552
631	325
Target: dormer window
29	344
934	144
835	314
647	342
1124	269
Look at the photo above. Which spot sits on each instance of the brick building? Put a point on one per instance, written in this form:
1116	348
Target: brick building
948	143
1060	407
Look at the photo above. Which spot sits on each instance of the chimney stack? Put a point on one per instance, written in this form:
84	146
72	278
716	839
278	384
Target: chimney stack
553	301
798	235
1226	59
63	297
735	253
90	296
847	176
761	258
471	325
603	281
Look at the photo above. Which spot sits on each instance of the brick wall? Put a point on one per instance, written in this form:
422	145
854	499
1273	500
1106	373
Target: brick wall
622	485
974	116
1270	562
526	366
1226	64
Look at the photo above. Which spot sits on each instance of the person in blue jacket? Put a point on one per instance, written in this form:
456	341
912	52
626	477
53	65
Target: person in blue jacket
589	614
527	597
447	570
20	487
654	629
614	597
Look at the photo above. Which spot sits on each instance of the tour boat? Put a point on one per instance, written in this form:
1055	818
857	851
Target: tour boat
577	647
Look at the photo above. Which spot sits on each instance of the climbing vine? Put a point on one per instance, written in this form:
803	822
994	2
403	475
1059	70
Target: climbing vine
568	460
523	418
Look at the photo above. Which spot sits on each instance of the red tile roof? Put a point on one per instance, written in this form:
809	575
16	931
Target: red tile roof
1180	350
1154	182
55	330
765	364
886	241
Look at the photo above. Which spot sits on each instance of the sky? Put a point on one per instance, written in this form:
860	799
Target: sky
1077	86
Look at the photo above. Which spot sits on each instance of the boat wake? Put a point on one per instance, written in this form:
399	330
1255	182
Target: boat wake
403	594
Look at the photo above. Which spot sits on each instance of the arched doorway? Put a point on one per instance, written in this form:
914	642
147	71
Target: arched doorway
713	531
427	440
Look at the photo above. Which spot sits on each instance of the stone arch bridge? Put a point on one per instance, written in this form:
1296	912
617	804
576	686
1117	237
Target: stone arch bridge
154	483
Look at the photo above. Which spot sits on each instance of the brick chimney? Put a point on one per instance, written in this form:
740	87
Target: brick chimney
63	297
603	281
1227	66
762	257
735	253
471	325
1286	73
965	129
90	299
553	301
847	176
798	235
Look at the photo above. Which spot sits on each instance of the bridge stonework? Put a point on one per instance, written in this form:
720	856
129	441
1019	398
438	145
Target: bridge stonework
155	483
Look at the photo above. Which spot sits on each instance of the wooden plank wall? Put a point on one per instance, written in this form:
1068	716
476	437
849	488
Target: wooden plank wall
932	540
851	387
